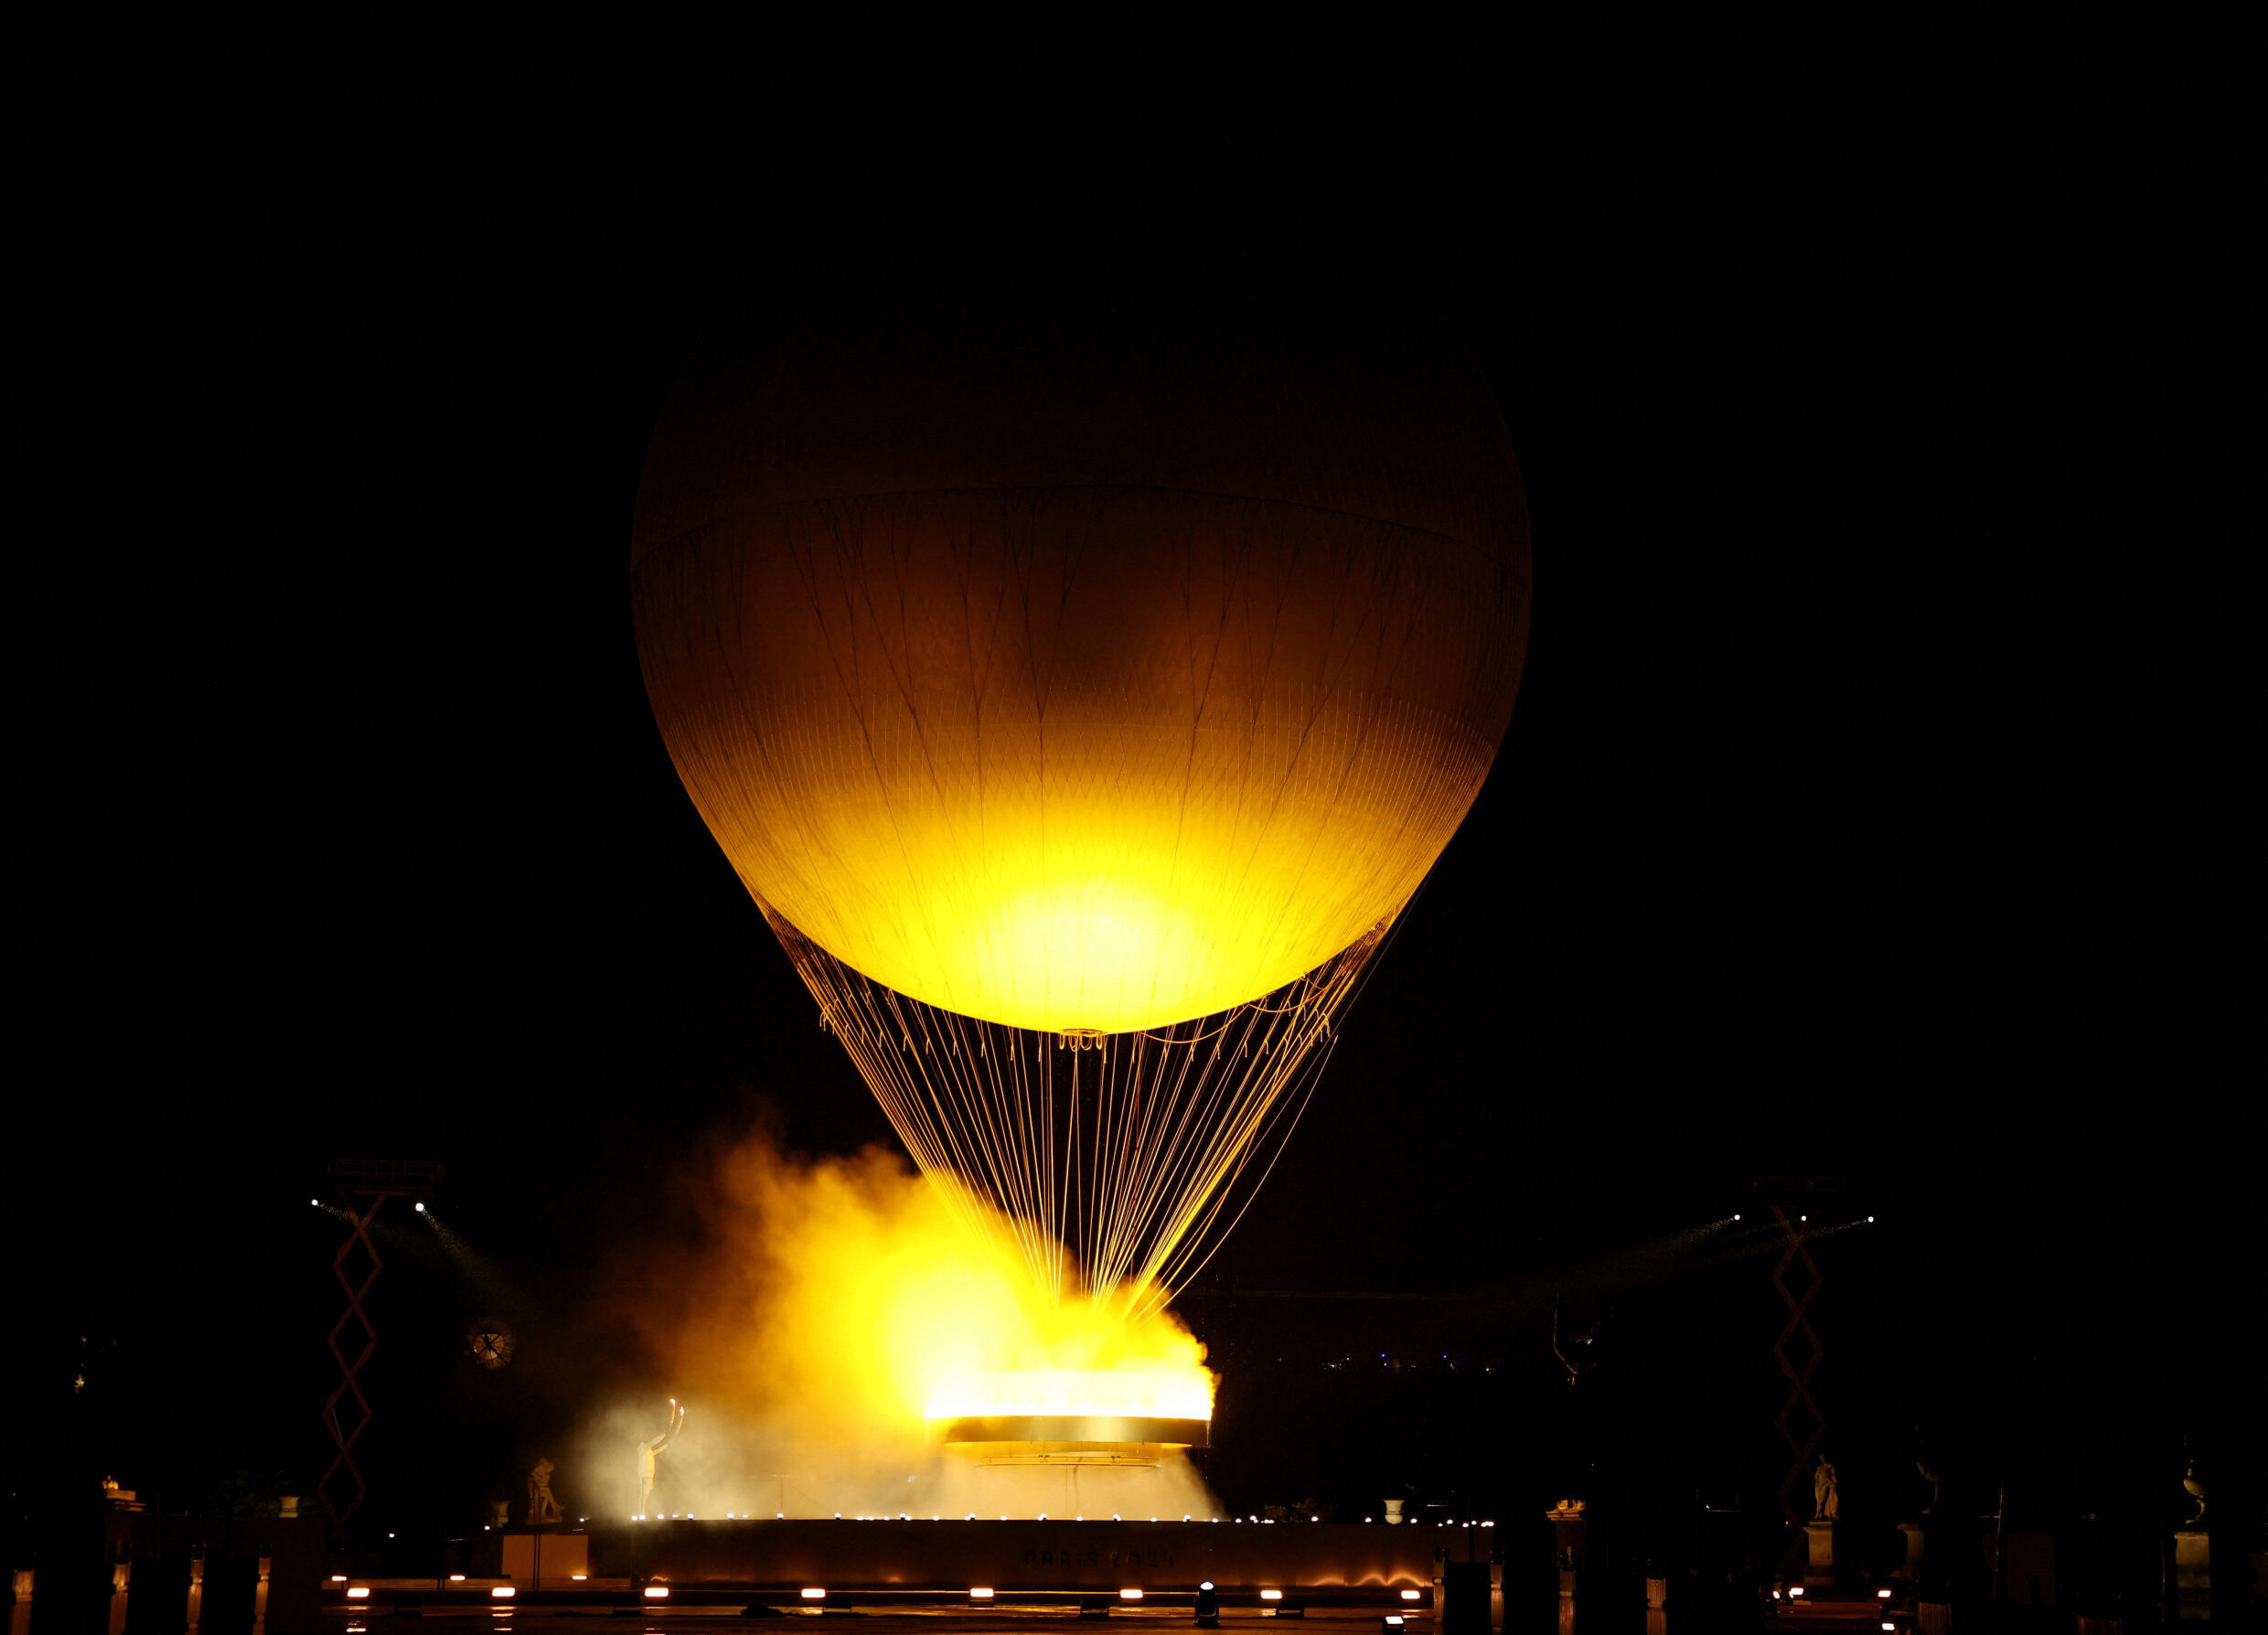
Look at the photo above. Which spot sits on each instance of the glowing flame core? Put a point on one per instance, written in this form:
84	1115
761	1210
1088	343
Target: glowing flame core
1157	1392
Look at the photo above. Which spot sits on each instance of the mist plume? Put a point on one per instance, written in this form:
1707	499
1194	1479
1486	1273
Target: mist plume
819	1307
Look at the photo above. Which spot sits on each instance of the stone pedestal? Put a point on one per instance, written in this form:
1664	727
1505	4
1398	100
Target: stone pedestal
540	1556
122	1585
1917	1544
2193	1572
1819	1561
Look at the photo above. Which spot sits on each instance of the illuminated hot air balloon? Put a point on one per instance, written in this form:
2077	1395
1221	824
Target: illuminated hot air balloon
1081	713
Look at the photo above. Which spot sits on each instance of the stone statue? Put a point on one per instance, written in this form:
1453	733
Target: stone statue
2197	1491
541	1506
1826	1505
649	1454
1937	1484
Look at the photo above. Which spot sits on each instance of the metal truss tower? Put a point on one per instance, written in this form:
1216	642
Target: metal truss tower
366	1184
1793	1201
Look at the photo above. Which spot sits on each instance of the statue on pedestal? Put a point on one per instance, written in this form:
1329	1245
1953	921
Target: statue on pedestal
649	1454
541	1506
2193	1554
1826	1505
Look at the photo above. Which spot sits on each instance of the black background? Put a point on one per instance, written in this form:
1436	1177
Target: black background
1873	805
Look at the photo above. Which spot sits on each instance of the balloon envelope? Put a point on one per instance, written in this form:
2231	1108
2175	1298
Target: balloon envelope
1080	685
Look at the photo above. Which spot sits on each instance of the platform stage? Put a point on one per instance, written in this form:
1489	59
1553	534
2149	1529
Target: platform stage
784	1558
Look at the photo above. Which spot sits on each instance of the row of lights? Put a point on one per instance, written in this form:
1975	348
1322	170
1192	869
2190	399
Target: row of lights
502	1592
902	1516
971	1516
660	1592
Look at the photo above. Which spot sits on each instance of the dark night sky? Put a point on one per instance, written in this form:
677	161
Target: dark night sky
1873	804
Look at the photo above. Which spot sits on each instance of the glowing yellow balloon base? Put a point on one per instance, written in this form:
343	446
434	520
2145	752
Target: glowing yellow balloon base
1119	760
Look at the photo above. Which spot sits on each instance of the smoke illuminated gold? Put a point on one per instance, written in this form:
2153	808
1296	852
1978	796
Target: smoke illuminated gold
843	1297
